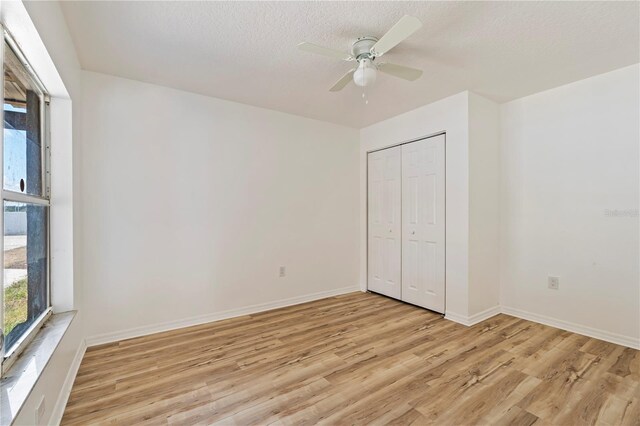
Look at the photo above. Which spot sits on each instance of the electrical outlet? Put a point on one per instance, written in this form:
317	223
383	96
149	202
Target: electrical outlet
40	411
554	283
283	271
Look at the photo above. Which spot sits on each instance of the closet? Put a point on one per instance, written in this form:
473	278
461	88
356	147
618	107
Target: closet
406	222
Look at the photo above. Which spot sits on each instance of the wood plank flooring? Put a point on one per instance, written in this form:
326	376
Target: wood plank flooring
358	359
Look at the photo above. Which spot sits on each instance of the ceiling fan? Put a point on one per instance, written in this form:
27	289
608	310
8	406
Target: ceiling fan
365	50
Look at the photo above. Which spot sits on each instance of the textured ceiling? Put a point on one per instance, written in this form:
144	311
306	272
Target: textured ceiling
246	51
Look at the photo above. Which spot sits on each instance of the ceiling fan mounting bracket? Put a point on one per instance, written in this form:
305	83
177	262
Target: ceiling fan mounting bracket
361	48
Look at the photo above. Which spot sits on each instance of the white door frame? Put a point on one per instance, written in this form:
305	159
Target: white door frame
443	133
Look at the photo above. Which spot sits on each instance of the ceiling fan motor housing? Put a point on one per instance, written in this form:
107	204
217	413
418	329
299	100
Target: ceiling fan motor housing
361	48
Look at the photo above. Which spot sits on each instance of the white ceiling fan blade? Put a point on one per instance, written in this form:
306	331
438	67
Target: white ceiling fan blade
406	26
400	71
324	51
340	84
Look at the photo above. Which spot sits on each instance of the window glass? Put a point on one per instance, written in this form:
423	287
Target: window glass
25	267
22	128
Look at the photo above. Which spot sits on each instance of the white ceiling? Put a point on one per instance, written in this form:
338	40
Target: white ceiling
246	51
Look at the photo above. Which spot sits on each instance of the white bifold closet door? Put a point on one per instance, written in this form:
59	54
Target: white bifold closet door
384	222
423	223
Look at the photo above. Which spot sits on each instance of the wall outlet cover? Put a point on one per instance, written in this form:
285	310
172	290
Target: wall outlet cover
554	283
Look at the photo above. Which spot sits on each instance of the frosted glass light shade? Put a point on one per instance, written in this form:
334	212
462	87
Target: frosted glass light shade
365	74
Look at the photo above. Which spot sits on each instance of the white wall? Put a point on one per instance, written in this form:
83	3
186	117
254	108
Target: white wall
191	205
484	206
568	155
449	115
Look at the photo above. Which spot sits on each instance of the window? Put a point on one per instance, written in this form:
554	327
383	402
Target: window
25	192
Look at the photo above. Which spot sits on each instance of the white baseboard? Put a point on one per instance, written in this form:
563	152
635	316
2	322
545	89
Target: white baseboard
202	319
486	314
65	391
473	319
542	319
574	328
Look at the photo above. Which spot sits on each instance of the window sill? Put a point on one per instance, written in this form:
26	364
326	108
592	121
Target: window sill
16	385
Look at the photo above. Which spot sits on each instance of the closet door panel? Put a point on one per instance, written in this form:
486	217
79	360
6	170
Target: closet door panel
423	223
384	222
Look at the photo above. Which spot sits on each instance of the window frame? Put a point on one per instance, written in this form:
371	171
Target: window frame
8	357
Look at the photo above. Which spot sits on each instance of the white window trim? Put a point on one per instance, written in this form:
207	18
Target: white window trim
23	342
8	357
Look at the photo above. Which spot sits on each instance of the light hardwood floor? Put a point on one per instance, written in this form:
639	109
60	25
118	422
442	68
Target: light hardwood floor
358	359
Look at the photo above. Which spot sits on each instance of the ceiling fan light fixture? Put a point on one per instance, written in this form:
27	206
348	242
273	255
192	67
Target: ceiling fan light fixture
366	50
365	74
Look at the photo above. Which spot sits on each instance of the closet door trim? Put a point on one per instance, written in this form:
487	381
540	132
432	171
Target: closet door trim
409	141
444	134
